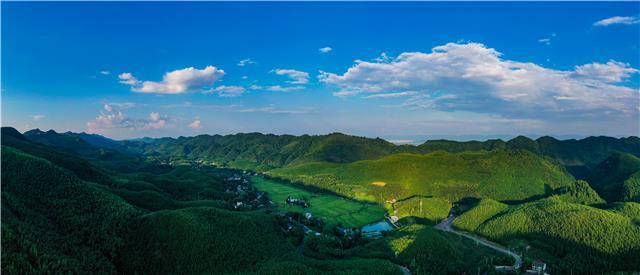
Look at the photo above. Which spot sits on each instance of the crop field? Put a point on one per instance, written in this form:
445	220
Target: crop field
332	208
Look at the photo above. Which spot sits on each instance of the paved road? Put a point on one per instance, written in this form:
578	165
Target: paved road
446	226
404	269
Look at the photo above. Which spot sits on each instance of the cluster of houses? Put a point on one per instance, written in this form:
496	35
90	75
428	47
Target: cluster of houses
537	267
299	202
247	196
289	220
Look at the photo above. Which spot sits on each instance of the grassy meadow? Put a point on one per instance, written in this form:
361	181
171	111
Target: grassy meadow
333	209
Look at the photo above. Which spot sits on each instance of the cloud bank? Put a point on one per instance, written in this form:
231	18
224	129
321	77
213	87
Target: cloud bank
473	77
116	119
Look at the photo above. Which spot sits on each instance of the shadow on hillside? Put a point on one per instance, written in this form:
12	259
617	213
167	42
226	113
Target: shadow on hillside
570	257
548	191
315	189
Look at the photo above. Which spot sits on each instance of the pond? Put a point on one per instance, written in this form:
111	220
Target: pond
377	227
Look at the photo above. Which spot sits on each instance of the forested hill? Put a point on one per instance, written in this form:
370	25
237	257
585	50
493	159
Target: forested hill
588	152
266	151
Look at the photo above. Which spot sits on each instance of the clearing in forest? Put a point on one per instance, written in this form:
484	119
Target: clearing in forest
332	208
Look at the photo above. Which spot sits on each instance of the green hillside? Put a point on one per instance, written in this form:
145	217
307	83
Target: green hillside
426	250
54	222
263	152
80	203
631	188
266	151
481	212
570	237
202	240
500	175
629	209
431	210
617	178
579	192
587	152
80	167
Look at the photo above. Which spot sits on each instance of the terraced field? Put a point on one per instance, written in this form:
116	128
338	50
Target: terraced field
333	209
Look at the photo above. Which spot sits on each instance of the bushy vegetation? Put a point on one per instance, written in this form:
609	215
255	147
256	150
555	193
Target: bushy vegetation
81	203
617	178
631	188
484	210
500	175
430	210
54	222
579	192
581	239
426	250
202	240
266	150
629	209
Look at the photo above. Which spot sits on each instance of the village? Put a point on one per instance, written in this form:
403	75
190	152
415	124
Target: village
307	229
247	197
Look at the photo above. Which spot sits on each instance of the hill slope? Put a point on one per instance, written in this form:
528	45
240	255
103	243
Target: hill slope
617	178
260	151
52	221
501	175
570	237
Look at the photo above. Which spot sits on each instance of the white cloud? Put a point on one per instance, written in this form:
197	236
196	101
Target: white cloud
473	77
245	77
176	82
298	77
195	124
128	79
185	104
278	88
325	49
38	117
155	121
546	41
392	95
228	91
110	121
383	58
272	110
118	120
115	106
611	71
105	72
624	20
400	141
245	62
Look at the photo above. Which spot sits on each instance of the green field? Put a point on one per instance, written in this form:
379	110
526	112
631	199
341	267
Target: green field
333	209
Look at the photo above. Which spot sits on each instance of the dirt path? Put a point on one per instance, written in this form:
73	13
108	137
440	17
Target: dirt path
446	226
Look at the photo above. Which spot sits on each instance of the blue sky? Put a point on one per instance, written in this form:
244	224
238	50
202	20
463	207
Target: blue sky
396	70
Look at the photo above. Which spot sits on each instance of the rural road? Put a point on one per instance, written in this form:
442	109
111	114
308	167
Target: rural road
446	226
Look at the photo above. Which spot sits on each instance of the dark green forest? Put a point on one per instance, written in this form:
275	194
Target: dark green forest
81	203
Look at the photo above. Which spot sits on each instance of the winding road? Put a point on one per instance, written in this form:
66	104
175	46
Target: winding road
446	226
